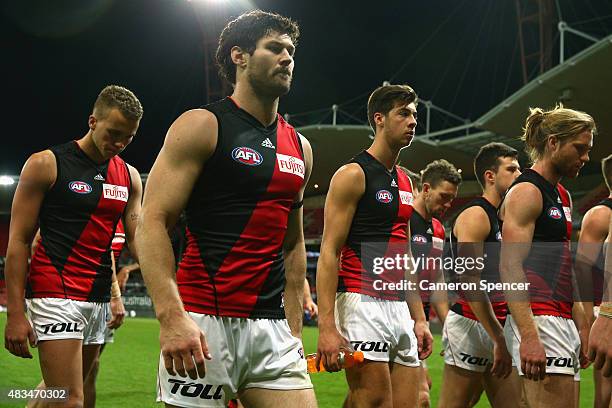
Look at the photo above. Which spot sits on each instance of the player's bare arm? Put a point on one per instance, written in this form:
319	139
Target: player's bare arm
37	177
346	188
294	252
116	304
519	212
600	347
189	143
417	312
132	210
592	235
471	229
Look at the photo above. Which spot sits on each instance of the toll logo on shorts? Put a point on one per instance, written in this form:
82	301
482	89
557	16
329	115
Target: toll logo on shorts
559	362
61	328
196	390
248	156
473	360
79	187
291	165
554	213
378	346
419	239
384	196
113	192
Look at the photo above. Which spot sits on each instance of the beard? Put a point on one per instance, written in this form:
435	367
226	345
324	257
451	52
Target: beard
266	86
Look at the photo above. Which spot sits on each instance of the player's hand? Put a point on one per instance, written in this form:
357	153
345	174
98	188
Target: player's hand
183	347
533	358
502	361
117	313
17	332
424	339
329	346
584	347
311	307
600	346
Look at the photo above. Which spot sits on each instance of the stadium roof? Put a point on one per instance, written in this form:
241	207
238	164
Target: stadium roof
583	82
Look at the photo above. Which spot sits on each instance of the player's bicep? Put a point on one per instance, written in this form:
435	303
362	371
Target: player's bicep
522	207
37	177
345	190
189	143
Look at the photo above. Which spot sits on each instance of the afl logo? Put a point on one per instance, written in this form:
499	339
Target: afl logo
419	239
248	156
554	213
79	187
383	196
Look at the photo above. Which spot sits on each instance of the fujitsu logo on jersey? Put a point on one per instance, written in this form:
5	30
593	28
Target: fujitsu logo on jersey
554	213
405	197
114	192
291	165
384	196
248	156
419	239
79	187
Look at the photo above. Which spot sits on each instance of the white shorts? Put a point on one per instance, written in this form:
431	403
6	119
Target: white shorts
246	353
56	318
561	343
109	334
466	343
381	329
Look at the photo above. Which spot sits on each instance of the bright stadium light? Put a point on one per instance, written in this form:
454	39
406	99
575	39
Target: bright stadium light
6	181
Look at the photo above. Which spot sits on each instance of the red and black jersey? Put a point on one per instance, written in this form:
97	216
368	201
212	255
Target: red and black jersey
77	223
490	271
379	227
118	241
548	267
236	218
427	247
598	268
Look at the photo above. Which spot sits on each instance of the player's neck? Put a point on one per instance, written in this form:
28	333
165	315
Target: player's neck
492	196
87	145
419	206
546	169
262	108
384	153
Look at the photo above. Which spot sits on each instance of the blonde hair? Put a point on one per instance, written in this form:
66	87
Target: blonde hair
563	123
115	96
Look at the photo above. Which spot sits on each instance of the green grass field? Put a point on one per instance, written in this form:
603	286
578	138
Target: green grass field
129	367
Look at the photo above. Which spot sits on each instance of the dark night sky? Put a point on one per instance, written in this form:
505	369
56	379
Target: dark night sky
57	55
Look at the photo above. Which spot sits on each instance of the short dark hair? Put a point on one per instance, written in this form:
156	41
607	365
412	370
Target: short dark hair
384	98
488	157
115	96
415	178
245	31
438	171
606	169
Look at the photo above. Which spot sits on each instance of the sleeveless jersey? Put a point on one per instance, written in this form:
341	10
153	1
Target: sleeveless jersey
77	222
236	218
427	246
490	272
378	230
548	267
598	267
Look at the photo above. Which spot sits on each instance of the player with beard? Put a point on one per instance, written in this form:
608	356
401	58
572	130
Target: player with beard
536	215
239	171
590	260
473	336
439	185
367	212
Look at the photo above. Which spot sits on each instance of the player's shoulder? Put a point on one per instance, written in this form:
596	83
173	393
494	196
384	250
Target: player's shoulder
194	132
600	214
